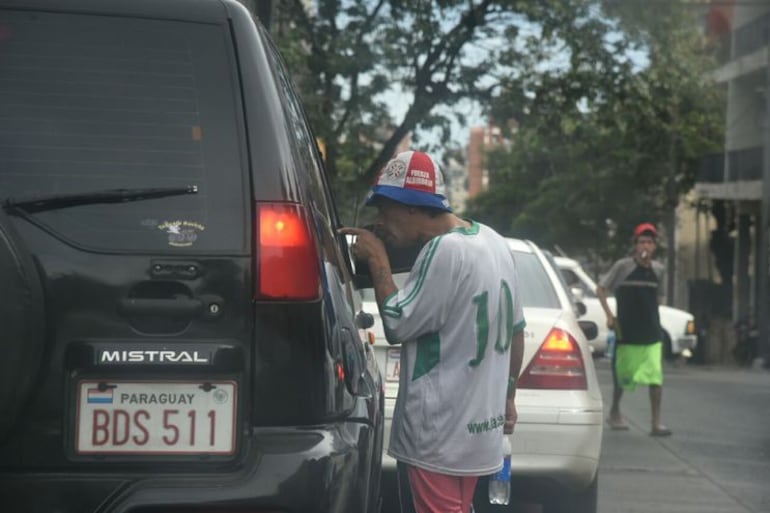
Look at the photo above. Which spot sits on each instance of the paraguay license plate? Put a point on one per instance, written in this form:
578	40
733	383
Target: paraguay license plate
155	418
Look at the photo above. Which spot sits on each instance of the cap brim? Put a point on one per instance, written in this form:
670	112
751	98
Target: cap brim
409	197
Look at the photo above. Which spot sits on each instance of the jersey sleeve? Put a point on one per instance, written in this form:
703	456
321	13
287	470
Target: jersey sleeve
613	278
422	305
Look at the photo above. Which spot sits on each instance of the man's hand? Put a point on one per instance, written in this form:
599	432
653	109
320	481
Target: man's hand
601	293
367	245
370	248
511	415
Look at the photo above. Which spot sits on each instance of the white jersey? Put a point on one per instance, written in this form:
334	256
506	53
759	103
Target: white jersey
455	318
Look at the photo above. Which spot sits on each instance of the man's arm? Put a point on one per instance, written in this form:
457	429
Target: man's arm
601	293
610	282
517	354
382	279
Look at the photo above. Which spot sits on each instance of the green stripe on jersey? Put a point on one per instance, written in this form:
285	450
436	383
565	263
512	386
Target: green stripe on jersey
396	310
428	354
473	230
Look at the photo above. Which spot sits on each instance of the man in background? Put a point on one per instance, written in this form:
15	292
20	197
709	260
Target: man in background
636	281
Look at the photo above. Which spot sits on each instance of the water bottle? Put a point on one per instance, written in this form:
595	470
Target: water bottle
610	344
500	482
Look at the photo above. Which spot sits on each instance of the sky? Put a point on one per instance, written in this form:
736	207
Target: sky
473	112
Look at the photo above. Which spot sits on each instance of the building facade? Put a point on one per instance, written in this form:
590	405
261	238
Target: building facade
481	140
732	191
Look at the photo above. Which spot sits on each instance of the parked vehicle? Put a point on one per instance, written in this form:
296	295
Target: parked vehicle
678	326
557	439
178	311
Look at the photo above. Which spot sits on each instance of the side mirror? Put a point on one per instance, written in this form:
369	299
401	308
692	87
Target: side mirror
578	293
581	308
364	320
590	329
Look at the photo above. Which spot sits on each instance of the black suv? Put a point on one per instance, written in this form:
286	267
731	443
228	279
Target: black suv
178	322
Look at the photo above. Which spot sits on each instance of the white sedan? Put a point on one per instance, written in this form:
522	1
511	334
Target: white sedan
557	440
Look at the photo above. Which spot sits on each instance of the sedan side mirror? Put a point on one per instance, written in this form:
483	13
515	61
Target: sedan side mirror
578	293
364	320
581	308
590	329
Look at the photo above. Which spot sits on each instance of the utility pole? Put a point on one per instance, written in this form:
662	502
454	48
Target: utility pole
671	200
763	235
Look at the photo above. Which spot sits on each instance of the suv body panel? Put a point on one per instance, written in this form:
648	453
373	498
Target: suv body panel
305	439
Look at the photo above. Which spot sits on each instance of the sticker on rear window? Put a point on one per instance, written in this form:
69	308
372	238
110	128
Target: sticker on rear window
181	234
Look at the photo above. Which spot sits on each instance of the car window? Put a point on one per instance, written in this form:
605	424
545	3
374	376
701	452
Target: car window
305	148
573	280
537	290
92	103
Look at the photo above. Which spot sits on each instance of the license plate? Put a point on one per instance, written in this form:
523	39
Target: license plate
155	418
393	365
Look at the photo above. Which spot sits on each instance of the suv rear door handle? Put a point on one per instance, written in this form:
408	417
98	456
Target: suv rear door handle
180	307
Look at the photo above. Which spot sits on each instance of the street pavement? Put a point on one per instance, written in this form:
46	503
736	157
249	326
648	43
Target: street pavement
718	459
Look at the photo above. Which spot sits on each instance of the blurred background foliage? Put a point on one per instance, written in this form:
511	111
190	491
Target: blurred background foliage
605	105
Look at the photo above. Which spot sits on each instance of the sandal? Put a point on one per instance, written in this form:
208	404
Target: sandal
617	424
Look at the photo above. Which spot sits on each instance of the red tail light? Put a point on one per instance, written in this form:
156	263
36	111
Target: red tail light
287	266
558	364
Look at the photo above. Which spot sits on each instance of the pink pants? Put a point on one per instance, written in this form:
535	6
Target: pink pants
434	493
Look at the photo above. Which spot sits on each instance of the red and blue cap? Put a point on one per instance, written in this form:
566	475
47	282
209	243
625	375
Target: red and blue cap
412	178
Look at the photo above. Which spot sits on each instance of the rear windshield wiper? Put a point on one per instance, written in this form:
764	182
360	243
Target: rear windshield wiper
56	201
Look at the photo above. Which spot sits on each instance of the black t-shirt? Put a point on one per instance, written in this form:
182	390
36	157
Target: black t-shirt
637	290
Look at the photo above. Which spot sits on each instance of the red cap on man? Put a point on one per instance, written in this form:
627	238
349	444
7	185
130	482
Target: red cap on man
645	229
412	178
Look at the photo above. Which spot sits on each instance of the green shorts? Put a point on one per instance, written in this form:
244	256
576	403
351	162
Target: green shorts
639	365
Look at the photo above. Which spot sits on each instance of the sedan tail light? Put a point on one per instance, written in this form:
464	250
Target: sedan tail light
286	265
557	365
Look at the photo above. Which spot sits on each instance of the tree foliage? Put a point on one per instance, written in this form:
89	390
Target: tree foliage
609	136
605	100
374	72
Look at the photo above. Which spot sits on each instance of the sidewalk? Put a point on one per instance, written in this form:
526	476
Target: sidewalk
642	474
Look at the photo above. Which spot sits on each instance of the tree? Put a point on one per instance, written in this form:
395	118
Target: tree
354	59
610	134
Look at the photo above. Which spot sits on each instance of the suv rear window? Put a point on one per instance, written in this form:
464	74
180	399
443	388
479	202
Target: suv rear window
91	103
